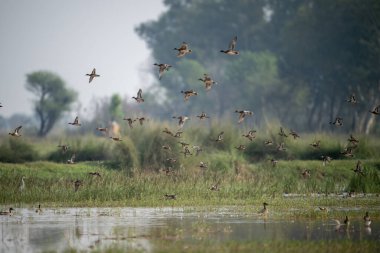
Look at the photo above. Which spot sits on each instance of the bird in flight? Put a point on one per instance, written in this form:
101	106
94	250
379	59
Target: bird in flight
337	122
242	114
16	132
282	133
250	135
64	148
207	80
116	138
376	110
71	160
231	48
220	137
76	122
352	99
130	121
294	134
188	93
92	75
181	120
183	49
139	98
162	68
203	116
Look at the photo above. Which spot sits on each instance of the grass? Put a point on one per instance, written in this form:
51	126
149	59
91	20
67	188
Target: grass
248	184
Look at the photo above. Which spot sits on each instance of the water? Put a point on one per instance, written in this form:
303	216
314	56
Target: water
97	228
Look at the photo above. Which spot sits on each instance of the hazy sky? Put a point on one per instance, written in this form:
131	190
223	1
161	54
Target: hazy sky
70	38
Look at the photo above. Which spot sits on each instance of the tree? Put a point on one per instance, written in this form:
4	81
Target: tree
53	98
115	108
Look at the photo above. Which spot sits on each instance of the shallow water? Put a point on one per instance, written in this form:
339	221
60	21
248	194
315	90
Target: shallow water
97	228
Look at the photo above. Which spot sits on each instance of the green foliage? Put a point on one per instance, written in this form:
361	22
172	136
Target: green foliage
17	151
286	70
124	155
116	108
53	98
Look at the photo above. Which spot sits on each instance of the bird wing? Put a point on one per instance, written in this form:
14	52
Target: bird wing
18	129
139	93
232	44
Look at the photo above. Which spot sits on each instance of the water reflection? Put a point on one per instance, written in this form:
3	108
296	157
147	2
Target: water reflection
96	228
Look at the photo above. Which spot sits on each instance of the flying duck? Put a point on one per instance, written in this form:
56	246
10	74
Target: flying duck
76	122
139	98
16	132
231	48
188	93
92	75
162	68
183	49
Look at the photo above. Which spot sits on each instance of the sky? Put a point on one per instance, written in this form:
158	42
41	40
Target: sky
70	38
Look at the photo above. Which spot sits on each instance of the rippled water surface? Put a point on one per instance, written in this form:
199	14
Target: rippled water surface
97	228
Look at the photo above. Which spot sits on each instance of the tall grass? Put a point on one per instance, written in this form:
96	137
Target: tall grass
54	183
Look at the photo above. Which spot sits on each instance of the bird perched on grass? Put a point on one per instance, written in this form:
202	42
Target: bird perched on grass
16	132
170	196
242	114
250	135
76	122
337	122
376	110
139	98
162	68
92	75
9	212
188	93
208	82
306	173
77	184
22	184
183	49
231	47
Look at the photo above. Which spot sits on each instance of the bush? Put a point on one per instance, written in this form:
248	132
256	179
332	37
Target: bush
17	150
124	155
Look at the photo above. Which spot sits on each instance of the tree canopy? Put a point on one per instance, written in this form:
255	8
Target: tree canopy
53	98
299	59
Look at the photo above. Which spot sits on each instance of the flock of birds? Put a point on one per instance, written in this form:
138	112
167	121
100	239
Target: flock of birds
208	83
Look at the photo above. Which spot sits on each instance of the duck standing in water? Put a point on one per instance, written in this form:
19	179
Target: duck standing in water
265	210
367	220
10	212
